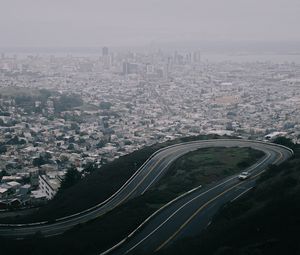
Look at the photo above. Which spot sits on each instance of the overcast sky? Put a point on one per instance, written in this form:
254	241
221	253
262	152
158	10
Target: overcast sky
135	22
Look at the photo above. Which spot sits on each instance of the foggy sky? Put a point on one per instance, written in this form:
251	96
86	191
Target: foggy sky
134	22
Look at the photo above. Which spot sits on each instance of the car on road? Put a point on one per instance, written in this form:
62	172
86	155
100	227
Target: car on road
244	176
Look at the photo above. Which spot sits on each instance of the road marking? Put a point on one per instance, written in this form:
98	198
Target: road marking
152	168
193	216
147	174
96	209
208	224
281	156
245	191
203	206
188	202
193	149
154	179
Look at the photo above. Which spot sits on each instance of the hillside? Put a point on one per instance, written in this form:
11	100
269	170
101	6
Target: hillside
200	167
265	221
99	185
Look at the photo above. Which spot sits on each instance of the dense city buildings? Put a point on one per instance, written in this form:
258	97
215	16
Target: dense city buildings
62	112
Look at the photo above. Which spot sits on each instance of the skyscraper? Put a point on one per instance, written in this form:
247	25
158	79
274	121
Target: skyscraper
104	51
106	58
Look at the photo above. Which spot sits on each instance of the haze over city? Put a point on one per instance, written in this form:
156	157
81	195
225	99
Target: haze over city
137	22
149	127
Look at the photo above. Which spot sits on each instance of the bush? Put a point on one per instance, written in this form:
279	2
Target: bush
72	177
67	102
285	142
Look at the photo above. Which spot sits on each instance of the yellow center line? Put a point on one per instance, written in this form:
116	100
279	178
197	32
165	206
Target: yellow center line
281	156
138	184
193	216
203	206
135	188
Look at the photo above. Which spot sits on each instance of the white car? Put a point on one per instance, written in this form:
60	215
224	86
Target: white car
244	175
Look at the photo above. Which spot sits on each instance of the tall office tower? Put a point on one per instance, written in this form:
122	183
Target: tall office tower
125	68
197	57
130	68
149	68
176	57
111	58
168	68
106	58
104	51
188	58
166	72
170	60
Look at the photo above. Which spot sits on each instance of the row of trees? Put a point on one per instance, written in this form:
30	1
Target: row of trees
61	103
73	176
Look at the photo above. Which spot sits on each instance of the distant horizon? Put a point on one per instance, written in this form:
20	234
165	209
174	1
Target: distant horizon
78	23
225	46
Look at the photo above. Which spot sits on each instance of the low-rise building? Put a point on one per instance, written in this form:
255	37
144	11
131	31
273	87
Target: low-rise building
3	193
49	185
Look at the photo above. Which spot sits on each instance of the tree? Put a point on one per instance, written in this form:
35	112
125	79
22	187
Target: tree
67	102
3	173
16	141
38	161
105	105
90	167
284	141
2	123
3	149
43	159
72	177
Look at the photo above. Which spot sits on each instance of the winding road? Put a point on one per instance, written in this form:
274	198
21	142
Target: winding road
184	216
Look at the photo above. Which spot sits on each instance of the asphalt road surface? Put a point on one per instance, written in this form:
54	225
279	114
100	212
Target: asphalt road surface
192	212
177	219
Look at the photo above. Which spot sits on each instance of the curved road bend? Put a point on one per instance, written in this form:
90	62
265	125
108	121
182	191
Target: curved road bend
142	180
193	212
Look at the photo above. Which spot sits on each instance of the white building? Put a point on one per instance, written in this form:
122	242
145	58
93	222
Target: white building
3	192
49	185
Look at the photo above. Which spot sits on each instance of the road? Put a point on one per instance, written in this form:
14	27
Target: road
192	212
165	224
